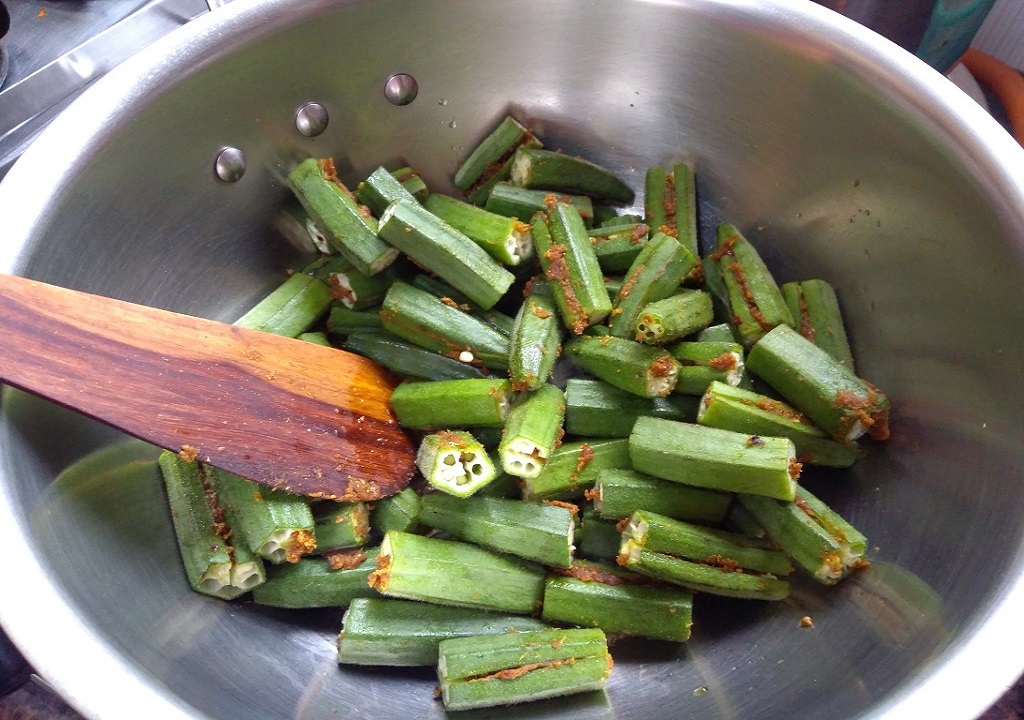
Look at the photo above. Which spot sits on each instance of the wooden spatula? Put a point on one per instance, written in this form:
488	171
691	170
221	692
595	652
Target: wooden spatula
285	413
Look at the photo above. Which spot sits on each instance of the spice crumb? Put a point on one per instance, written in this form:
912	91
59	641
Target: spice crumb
806	622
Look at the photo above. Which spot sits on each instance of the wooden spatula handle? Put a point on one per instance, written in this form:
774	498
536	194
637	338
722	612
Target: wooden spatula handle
283	412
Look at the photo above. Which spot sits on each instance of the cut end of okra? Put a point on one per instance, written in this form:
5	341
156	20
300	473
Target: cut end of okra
455	462
523	458
287	545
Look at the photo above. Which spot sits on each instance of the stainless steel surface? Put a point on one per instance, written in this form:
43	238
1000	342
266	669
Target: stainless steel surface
937	31
841	156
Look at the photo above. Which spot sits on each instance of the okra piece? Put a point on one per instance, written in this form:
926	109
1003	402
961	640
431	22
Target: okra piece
381	189
491	160
670	205
811	533
276	525
815	309
673	318
731	408
358	291
291	309
314	582
438	247
427	321
619	493
398	512
534	531
446	572
523	203
490	670
755	301
407	359
613	219
648	372
535	342
572	469
655	274
452	403
549	170
702	363
450	296
714	459
571	267
320	338
617	246
739	519
341	525
341	321
840	403
597	539
454	462
507	240
700	577
212	564
412	182
533	427
293	222
722	332
730	551
404	633
349	227
614	606
594	408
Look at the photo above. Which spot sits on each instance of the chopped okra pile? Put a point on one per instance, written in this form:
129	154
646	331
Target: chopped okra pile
547	515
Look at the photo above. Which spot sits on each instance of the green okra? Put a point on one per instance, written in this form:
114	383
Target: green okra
674	317
350	229
662	613
320	338
617	246
714	459
613	219
507	240
670	205
572	469
731	551
398	512
642	370
359	291
700	577
412	182
701	363
452	403
535	531
593	408
840	403
447	572
549	170
535	342
817	317
491	160
811	533
722	332
341	321
655	274
429	322
438	247
381	189
755	302
450	296
315	582
454	462
596	538
213	565
571	267
523	203
405	633
276	525
341	525
294	223
532	430
738	519
732	408
490	670
407	359
619	493
291	309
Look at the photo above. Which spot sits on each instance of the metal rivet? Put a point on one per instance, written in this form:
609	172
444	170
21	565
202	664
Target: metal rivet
311	119
401	89
230	164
